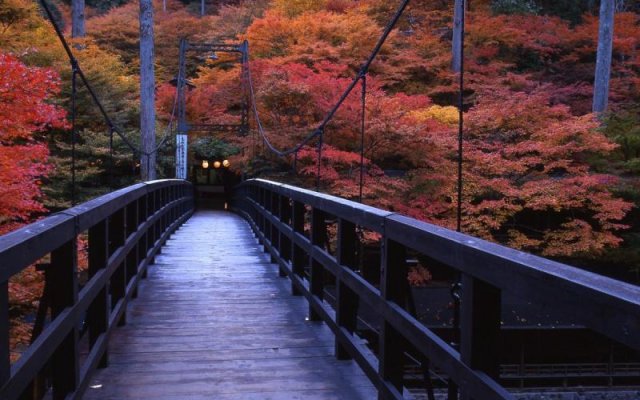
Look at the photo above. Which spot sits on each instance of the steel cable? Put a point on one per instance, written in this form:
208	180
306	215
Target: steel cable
319	130
76	67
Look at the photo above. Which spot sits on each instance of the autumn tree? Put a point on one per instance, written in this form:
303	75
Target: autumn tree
24	111
529	181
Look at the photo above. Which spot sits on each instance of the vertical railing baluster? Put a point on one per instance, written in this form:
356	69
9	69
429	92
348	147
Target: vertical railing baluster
261	218
275	233
255	195
142	244
267	224
393	284
5	359
116	240
132	257
285	218
63	275
165	216
318	234
157	226
98	314
297	253
346	299
480	327
150	228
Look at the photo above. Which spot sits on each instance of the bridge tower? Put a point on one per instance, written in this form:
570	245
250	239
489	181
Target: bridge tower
184	128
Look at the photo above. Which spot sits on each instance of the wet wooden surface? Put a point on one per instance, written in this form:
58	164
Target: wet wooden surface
214	321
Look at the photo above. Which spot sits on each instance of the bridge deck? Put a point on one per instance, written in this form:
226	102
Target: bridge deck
214	320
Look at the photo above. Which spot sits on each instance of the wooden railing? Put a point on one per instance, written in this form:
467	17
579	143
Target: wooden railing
278	214
125	230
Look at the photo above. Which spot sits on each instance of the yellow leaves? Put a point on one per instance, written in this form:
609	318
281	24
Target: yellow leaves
317	35
445	114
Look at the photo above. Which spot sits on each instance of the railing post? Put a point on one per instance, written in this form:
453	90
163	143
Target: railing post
297	253
98	314
392	287
346	299
318	233
284	241
275	234
5	359
131	260
63	282
143	247
165	216
157	202
480	327
258	215
117	236
268	206
150	234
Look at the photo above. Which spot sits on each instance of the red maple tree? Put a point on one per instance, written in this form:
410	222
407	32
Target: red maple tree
24	110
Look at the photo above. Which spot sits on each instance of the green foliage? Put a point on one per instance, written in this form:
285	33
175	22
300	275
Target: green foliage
211	148
624	129
514	7
97	172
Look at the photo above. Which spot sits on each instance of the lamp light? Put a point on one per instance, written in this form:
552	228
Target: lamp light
216	164
226	163
205	164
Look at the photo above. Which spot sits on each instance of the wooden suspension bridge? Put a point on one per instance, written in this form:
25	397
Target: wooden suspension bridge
267	301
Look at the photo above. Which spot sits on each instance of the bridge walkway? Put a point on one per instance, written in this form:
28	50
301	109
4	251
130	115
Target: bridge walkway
215	321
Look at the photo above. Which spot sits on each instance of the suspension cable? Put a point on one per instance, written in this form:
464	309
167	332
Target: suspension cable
76	66
362	129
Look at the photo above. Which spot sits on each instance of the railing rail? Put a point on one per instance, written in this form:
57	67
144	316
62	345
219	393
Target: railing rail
277	214
126	229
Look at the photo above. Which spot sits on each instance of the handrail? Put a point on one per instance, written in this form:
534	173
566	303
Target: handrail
126	229
277	213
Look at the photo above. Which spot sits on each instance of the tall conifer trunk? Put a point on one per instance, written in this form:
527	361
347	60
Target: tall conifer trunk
147	93
77	19
456	42
603	61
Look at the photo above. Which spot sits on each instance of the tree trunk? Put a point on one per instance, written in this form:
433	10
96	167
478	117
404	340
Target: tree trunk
456	44
77	19
147	93
603	62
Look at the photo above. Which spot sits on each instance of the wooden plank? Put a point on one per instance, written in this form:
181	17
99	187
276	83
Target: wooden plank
216	321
